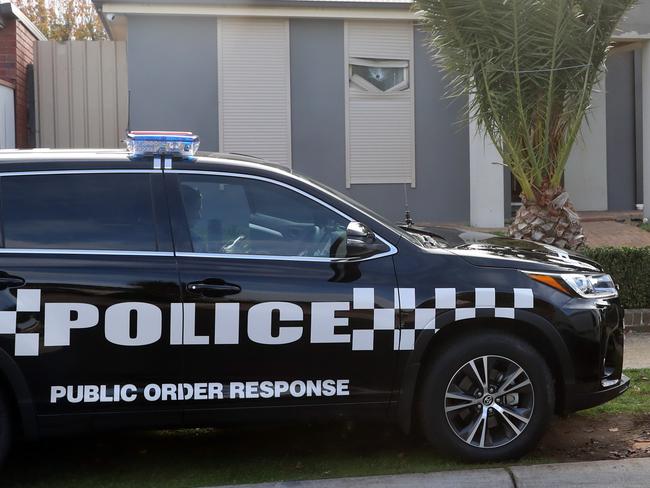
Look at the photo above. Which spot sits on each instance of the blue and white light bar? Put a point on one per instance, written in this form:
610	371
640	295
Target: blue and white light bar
161	143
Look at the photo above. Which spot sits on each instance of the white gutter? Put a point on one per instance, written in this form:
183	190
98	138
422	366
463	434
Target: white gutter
258	11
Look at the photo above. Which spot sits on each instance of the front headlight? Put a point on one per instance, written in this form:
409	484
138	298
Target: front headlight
597	285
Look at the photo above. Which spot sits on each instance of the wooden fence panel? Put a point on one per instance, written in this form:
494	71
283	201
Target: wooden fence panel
82	94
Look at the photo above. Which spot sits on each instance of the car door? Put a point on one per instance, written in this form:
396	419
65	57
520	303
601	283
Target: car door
88	281
274	315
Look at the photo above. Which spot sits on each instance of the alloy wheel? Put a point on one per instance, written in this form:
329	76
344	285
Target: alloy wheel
489	401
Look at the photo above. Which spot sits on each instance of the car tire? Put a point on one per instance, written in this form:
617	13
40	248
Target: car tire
476	420
5	427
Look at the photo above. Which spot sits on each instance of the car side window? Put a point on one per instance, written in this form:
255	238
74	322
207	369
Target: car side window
78	212
245	216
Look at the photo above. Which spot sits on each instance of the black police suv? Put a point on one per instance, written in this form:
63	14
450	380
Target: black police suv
154	288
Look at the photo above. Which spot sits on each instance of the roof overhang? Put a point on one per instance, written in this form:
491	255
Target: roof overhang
9	11
634	27
114	13
360	9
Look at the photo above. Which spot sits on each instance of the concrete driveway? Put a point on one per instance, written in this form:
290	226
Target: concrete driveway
629	473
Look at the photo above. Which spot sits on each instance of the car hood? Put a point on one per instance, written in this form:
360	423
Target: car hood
489	250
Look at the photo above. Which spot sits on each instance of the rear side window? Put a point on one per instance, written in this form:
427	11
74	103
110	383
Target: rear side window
78	212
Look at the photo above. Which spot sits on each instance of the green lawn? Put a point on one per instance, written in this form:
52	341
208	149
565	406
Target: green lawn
204	457
635	400
645	227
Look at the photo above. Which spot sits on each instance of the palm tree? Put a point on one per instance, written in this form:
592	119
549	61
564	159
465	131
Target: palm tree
529	68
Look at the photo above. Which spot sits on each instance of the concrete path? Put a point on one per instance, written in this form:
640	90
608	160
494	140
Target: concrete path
629	473
608	233
637	352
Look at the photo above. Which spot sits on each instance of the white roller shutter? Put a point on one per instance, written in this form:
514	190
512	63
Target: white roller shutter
380	125
254	88
7	120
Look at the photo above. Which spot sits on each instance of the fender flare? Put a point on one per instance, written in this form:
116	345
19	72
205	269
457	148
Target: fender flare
425	340
15	379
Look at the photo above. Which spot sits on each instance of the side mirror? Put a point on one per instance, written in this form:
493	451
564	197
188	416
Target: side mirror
362	242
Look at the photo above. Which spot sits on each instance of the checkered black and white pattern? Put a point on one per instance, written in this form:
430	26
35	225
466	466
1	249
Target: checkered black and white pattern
446	299
447	305
26	342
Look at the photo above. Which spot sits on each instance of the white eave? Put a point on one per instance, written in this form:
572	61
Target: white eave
317	10
9	8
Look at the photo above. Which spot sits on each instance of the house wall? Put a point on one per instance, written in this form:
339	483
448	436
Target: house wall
585	177
637	21
621	133
318	100
638	122
173	75
17	46
185	97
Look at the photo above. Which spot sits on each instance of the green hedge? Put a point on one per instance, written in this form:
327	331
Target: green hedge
630	268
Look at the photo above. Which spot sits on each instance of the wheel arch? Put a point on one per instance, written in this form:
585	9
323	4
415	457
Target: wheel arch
533	329
13	382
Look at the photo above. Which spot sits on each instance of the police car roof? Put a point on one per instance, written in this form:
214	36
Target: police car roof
61	156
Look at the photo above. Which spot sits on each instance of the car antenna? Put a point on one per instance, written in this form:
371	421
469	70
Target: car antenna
407	215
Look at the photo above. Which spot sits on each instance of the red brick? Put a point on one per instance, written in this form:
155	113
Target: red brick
17	47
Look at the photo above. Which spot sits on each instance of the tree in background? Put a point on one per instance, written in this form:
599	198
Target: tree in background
529	68
64	20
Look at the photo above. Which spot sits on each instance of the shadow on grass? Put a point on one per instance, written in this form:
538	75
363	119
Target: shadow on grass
203	457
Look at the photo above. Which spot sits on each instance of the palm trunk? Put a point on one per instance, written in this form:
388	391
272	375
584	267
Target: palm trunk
547	220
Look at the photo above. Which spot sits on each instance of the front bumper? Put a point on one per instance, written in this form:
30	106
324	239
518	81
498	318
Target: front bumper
596	339
581	401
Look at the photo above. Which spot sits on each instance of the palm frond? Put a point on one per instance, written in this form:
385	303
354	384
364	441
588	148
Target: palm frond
529	68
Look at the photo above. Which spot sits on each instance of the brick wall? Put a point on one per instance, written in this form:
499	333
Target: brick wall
8	52
17	49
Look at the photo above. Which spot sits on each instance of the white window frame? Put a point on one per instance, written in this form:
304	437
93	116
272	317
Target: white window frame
380	63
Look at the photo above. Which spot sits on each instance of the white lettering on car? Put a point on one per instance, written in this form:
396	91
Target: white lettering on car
61	318
118	324
175	392
260	323
133	324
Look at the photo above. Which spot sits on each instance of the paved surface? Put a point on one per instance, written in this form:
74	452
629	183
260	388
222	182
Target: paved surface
629	473
608	233
637	354
590	216
601	229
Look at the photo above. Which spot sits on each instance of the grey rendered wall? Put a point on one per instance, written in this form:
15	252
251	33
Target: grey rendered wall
637	21
638	98
318	120
621	128
318	100
173	75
